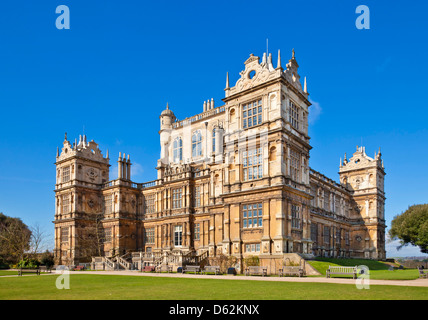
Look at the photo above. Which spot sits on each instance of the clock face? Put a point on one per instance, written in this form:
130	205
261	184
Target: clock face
92	174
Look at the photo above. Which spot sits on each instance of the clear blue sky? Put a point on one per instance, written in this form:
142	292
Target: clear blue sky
114	71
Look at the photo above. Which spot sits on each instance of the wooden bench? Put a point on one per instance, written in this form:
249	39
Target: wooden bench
21	271
423	273
45	269
195	269
341	270
291	270
215	269
255	270
164	268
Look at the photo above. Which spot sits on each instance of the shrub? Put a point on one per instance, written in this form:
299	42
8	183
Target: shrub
47	260
252	261
29	264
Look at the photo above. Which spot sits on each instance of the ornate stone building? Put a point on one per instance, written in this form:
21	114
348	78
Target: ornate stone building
233	180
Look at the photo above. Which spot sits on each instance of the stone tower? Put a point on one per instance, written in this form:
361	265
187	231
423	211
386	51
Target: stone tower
364	176
81	171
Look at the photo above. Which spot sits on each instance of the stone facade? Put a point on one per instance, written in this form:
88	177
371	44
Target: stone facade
233	180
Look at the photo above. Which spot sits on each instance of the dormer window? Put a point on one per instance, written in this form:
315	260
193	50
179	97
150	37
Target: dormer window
252	114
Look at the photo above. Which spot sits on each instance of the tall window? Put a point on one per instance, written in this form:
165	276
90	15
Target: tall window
150	203
253	164
176	198
108	204
347	238
108	234
149	235
294	115
177	149
178	235
294	165
197	233
326	235
337	235
296	218
197	196
64	234
252	215
252	114
65	203
214	140
196	144
65	174
314	232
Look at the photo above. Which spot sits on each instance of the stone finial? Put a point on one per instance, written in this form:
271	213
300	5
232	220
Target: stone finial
227	80
305	88
278	65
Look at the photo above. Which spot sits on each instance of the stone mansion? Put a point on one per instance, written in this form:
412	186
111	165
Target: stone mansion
233	180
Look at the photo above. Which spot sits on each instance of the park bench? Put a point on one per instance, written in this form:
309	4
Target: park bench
341	270
215	269
195	269
255	270
164	268
423	273
291	270
21	271
45	269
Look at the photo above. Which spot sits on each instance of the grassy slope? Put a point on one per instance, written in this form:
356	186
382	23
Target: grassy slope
156	288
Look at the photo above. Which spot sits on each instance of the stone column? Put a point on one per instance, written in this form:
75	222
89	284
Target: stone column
266	246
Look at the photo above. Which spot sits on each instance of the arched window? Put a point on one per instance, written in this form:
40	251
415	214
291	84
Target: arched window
177	149
196	144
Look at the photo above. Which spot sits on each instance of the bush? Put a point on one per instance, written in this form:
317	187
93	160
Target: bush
29	264
252	261
47	260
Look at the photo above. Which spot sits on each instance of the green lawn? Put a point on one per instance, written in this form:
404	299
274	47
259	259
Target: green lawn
378	269
84	286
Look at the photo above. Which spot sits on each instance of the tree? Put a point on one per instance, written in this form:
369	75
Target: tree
14	239
47	259
37	240
411	227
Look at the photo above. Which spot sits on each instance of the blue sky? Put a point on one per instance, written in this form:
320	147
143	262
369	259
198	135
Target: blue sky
113	72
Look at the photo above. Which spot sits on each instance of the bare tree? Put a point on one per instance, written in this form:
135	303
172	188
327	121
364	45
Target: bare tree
37	240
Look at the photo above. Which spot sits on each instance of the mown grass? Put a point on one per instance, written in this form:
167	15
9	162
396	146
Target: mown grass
378	269
117	287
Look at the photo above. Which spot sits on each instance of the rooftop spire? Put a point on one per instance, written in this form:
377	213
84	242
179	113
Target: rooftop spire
293	54
227	80
305	88
279	60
